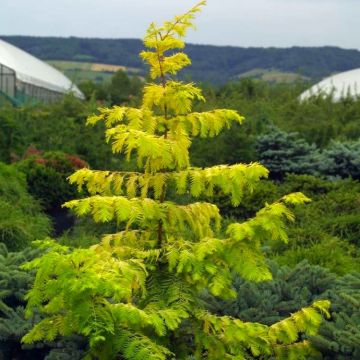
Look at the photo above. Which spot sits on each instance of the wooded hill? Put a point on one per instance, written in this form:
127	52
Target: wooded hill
217	64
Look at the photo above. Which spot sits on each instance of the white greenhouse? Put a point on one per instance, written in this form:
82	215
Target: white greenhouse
23	77
338	86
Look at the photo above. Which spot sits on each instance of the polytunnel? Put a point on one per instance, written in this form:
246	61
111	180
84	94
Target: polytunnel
337	86
23	77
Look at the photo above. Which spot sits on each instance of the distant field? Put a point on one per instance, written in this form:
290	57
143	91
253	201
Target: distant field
79	71
273	76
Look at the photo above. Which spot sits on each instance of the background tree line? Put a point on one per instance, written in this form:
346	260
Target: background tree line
217	64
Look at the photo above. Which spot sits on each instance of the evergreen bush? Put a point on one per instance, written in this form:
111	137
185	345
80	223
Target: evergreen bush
283	153
341	160
14	284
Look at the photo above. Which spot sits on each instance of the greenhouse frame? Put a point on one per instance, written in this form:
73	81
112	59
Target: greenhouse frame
24	78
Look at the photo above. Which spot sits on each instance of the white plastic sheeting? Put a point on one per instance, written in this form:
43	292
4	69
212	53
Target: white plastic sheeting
33	71
339	86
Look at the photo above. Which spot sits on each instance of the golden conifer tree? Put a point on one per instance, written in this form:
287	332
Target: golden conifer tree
136	295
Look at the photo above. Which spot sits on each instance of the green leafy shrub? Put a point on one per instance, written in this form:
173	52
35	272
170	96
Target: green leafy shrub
328	225
319	120
10	136
329	252
46	175
21	219
121	89
335	206
327	231
56	127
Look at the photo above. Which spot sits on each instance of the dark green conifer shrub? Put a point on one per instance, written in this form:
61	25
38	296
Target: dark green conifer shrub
283	153
14	284
341	160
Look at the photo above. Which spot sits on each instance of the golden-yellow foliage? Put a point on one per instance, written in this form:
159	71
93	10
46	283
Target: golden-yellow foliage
136	293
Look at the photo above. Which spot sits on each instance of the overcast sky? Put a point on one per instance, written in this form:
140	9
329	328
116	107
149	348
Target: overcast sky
223	22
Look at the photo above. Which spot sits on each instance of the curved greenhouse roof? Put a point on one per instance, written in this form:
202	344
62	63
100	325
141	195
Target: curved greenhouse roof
338	86
31	70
